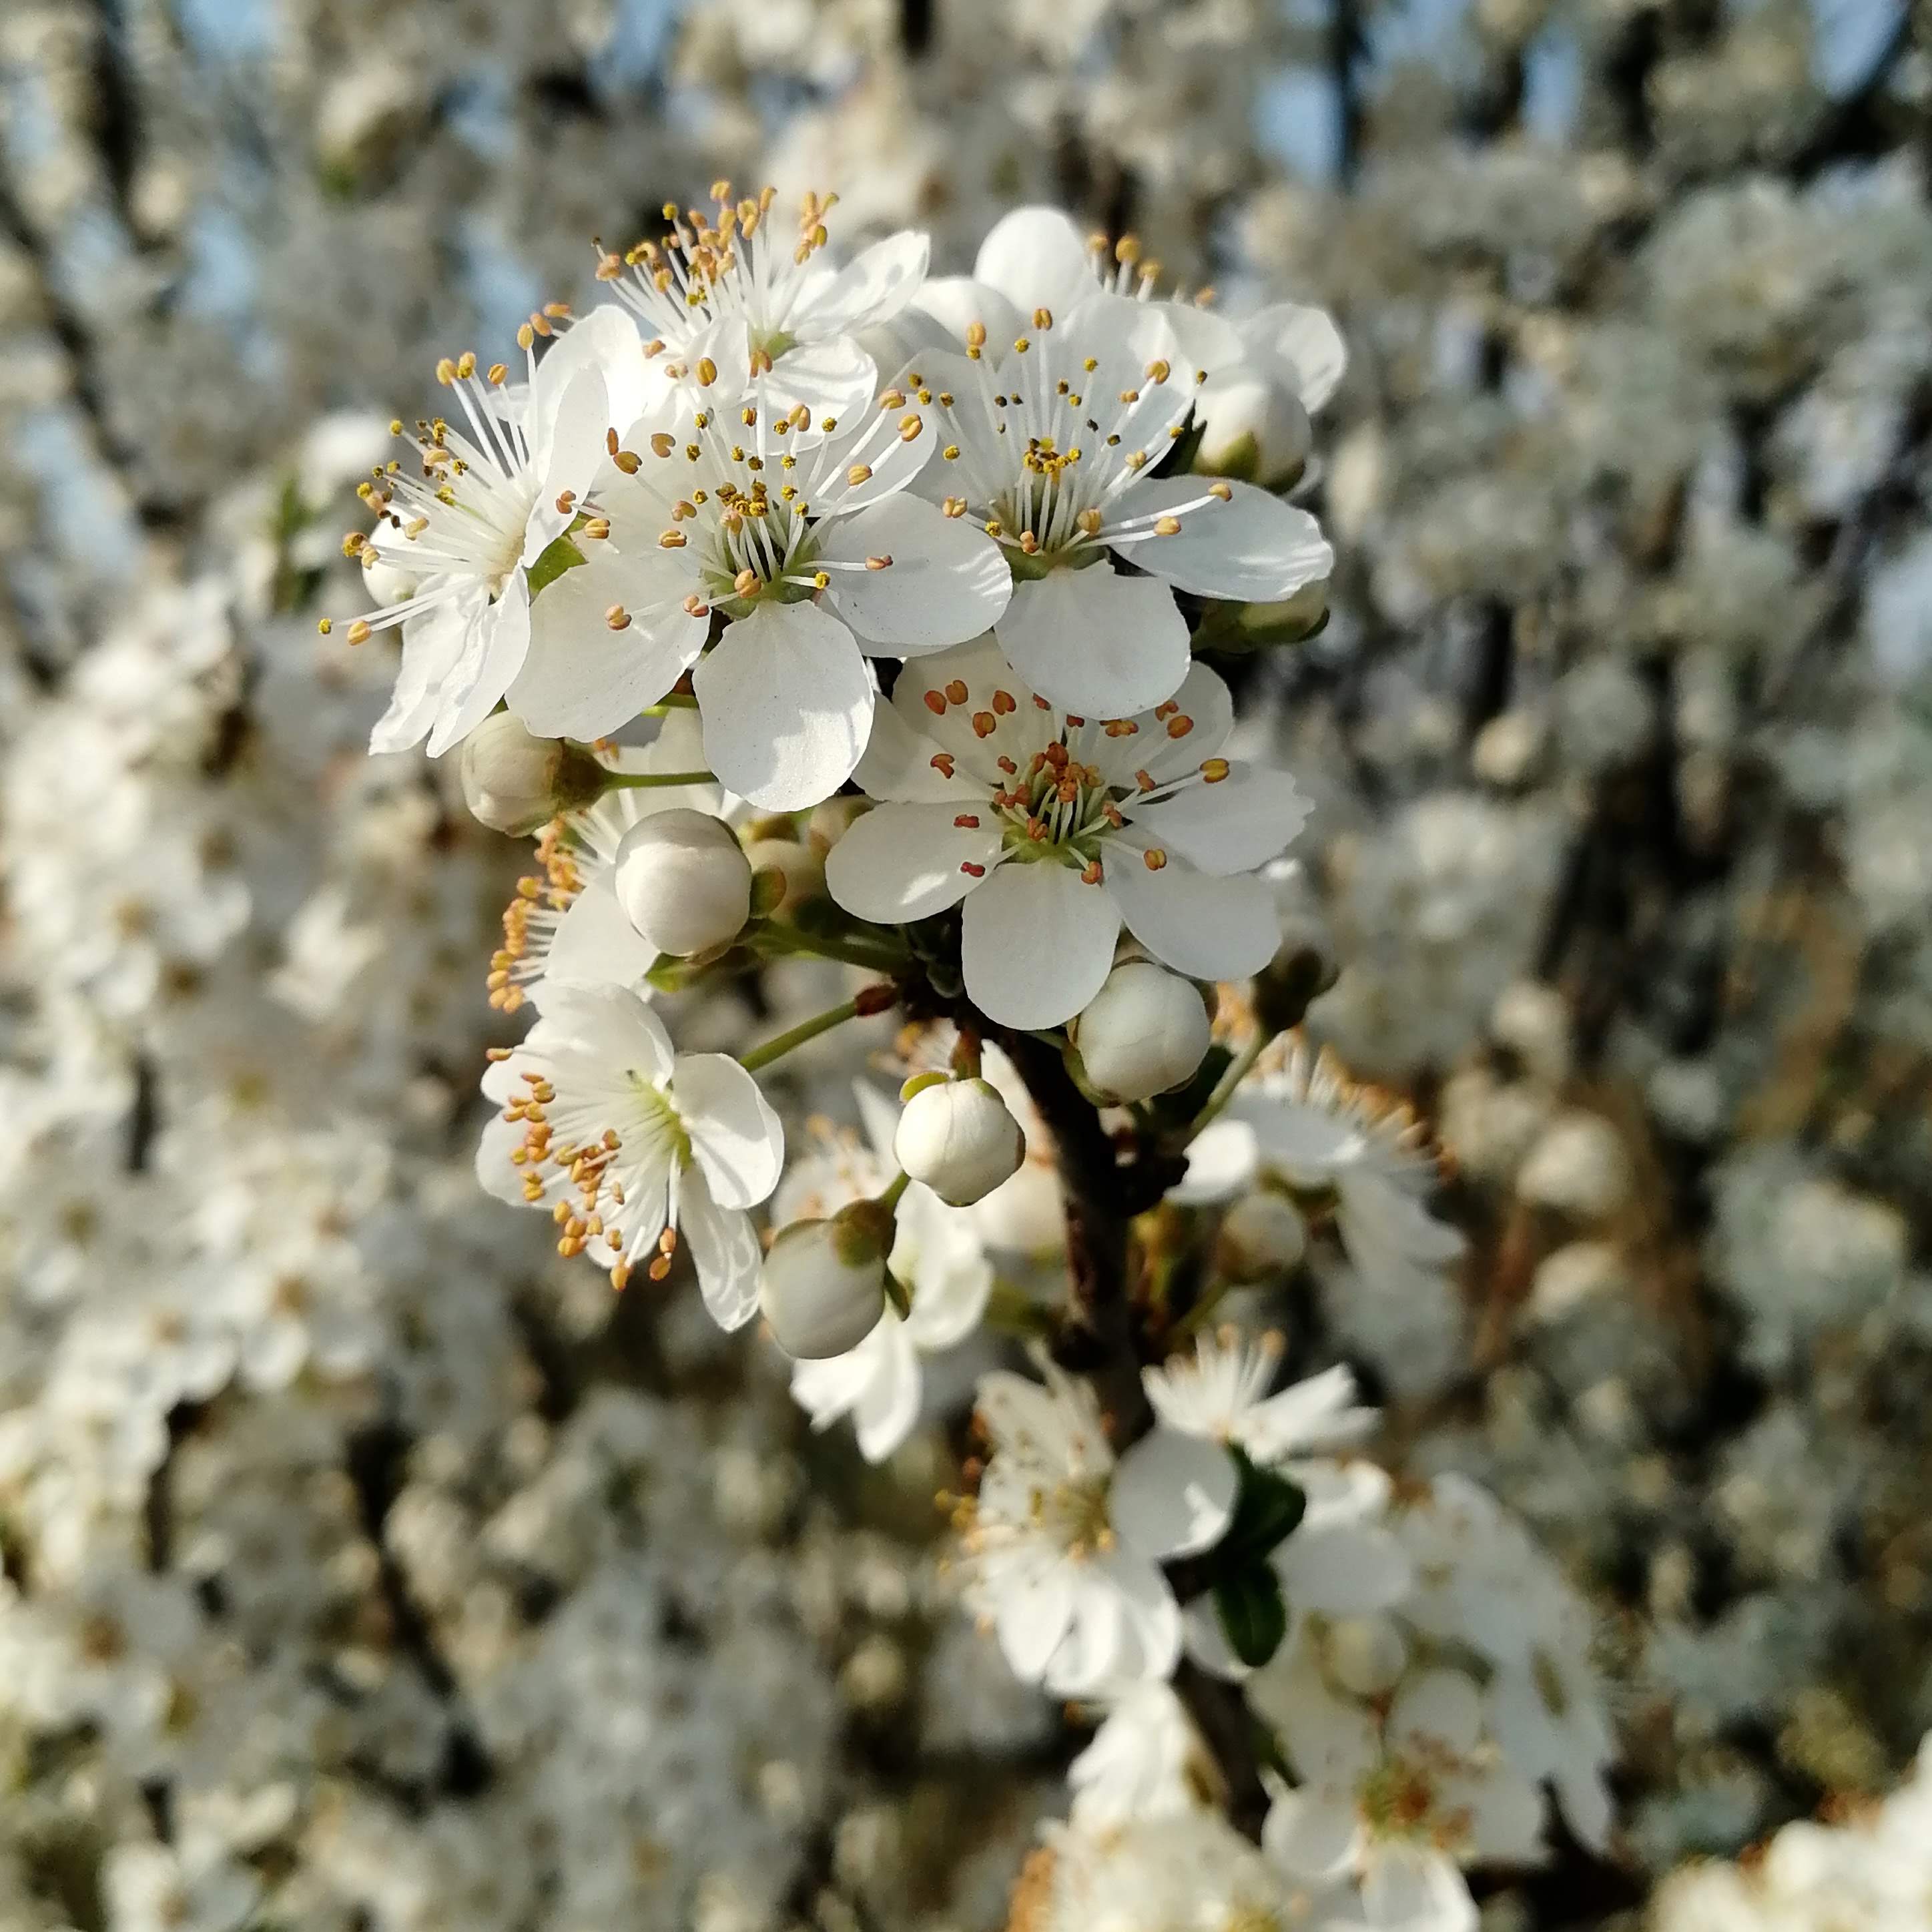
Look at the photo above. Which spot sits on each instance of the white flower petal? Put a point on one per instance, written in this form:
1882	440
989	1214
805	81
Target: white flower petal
1413	1888
1342	1570
1096	642
1586	1800
1139	1636
498	1174
954	725
583	679
605	343
902	861
946	582
434	645
1313	1834
897	766
575	453
1208	928
1036	944
834	1385
1173	1495
834	378
595	944
787	704
610	1024
1204	700
1036	258
1318	1412
887	1411
1232	826
1307	340
503	635
1253	548
734	1134
874	286
724	1250
1223	1160
1206	1639
1032	1619
955	302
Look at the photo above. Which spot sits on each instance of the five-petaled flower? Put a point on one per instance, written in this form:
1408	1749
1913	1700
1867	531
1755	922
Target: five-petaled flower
1051	441
479	511
733	275
631	1146
800	533
1056	829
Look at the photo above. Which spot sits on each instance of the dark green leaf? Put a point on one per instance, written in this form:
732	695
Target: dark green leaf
1252	1613
1266	1510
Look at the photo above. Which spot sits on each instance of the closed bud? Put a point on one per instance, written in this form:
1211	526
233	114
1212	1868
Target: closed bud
961	1139
824	1284
1294	620
514	782
1253	428
388	582
684	881
1145	1032
1262	1234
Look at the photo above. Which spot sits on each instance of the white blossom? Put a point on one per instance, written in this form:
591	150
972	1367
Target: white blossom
636	1144
1066	1541
1060	826
802	535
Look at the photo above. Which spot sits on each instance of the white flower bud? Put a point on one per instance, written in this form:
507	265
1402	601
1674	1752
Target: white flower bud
1366	1656
388	583
1253	428
684	881
959	1137
1145	1032
824	1284
1262	1233
514	782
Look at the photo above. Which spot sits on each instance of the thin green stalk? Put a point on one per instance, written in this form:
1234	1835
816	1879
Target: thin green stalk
651	781
1237	1070
806	1030
877	959
1192	1323
678	701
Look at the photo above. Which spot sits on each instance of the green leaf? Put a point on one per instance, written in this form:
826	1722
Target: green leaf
1266	1512
562	555
1252	1613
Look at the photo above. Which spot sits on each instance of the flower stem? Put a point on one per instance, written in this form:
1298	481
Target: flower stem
877	959
1237	1070
678	701
890	1198
649	781
867	999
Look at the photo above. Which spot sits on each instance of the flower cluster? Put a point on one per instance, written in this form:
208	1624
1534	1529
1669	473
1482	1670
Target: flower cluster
840	613
833	527
366	1562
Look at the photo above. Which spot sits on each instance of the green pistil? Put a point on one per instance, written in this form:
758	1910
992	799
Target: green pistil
1078	847
665	1116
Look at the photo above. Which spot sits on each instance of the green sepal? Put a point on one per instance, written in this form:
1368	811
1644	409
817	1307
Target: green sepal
561	555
